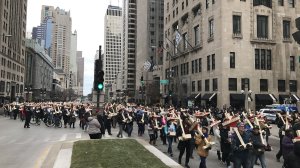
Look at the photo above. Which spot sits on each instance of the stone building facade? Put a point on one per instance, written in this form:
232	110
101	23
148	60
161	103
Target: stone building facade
224	49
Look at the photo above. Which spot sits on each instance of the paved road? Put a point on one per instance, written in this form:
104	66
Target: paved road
28	148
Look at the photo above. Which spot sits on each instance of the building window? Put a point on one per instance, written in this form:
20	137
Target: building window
213	1
196	66
207	4
208	63
215	84
292	63
232	84
213	62
293	85
267	3
2	86
197	35
200	64
193	86
232	59
199	85
245	82
291	3
286	29
236	24
193	65
187	2
263	85
211	28
262	26
280	2
185	41
281	86
207	85
263	59
269	60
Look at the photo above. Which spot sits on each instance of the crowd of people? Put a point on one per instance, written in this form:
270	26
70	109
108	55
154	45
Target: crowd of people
240	138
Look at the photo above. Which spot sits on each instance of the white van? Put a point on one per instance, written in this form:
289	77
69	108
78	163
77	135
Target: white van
270	114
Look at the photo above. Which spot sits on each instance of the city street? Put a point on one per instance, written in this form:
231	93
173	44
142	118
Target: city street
28	148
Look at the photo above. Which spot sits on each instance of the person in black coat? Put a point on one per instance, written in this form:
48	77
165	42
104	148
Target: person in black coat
101	121
28	114
225	145
293	159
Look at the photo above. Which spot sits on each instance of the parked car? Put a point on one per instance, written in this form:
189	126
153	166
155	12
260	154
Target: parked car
270	114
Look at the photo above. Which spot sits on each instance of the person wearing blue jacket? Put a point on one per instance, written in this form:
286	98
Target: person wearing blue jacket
170	131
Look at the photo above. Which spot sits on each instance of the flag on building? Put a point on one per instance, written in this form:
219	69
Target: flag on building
177	38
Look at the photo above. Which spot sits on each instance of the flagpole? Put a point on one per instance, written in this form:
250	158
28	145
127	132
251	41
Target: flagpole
173	45
185	39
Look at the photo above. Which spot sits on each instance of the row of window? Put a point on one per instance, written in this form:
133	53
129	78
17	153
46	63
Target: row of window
245	82
11	65
19	88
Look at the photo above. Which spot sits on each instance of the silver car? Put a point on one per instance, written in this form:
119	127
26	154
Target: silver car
270	114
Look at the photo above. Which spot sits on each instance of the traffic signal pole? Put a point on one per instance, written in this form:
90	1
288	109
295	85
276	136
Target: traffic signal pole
100	65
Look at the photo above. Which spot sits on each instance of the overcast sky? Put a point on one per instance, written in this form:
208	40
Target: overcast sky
88	20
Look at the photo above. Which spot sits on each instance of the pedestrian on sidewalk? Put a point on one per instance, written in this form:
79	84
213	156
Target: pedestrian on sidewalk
94	128
28	114
121	121
170	131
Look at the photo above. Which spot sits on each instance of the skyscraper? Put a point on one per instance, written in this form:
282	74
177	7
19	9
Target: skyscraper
73	63
60	41
129	47
12	42
112	44
80	73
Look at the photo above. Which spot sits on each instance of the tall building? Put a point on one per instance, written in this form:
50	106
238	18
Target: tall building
149	40
60	41
129	47
12	54
38	72
80	73
73	63
112	41
43	33
225	48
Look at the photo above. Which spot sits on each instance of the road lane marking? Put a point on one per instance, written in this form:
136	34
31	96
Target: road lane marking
78	136
42	157
63	159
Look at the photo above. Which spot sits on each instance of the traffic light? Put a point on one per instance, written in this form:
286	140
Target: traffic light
100	80
170	93
296	35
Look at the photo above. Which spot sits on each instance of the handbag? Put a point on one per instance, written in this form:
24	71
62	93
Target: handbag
173	133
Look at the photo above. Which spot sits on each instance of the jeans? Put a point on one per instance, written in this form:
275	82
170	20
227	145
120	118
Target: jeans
242	162
185	145
120	130
203	162
261	158
170	141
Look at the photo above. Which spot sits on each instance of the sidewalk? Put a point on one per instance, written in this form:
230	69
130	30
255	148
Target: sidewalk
60	154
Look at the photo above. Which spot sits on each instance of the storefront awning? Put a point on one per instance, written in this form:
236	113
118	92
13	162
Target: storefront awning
295	97
209	96
198	96
239	97
265	97
192	96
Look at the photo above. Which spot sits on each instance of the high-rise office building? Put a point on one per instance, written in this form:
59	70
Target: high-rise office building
73	63
112	43
12	54
149	41
129	47
80	73
60	41
222	49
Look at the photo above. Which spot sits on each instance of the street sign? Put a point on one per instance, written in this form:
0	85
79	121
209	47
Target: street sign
164	82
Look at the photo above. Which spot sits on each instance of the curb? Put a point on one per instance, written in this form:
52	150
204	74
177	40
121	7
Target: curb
160	155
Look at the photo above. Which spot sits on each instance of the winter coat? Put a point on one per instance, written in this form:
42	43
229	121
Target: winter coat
258	146
94	126
293	159
225	143
201	143
287	146
237	151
